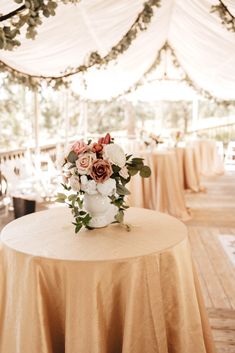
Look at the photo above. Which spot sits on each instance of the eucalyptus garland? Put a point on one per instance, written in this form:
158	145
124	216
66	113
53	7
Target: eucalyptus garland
227	18
10	41
28	15
33	83
186	78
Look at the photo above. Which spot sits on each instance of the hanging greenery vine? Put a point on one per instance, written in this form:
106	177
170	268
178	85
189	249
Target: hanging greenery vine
227	18
28	15
140	24
185	77
32	82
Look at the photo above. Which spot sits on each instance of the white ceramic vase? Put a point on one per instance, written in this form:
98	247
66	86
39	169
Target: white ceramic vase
100	209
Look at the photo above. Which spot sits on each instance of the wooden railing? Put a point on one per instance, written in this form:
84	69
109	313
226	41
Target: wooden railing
223	133
20	153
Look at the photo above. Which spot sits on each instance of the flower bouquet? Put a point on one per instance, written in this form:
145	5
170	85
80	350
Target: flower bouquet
95	175
178	136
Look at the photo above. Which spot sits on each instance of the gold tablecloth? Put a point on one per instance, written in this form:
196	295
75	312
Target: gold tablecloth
101	291
163	191
207	157
189	169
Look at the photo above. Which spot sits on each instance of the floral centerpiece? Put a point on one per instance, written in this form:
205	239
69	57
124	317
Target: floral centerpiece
178	136
95	175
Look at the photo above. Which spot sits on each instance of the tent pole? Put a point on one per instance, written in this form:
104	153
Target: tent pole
195	113
84	117
36	124
67	120
129	119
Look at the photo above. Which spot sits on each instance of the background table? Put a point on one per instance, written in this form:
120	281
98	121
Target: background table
101	291
207	156
163	191
189	169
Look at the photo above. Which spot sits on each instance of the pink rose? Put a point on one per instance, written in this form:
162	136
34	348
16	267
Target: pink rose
105	140
80	147
96	147
101	170
84	163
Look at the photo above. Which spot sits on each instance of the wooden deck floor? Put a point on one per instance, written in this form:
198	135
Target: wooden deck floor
213	216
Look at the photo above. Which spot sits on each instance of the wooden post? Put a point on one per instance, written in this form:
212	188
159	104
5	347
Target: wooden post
84	117
36	124
194	113
67	120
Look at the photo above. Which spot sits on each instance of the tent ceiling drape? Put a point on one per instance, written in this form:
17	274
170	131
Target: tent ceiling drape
204	47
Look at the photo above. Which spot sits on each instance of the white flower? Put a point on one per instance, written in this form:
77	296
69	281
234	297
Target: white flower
67	170
84	179
107	188
124	172
88	186
62	155
115	154
74	183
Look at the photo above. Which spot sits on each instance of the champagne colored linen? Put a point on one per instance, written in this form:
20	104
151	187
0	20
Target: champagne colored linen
102	291
207	157
163	191
188	169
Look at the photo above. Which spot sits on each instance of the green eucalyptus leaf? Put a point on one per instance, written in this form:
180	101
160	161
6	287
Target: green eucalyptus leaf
145	172
119	217
132	171
72	197
61	196
72	157
60	200
78	227
122	190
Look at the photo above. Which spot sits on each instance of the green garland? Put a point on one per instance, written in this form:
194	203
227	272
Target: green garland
186	78
29	15
140	24
228	20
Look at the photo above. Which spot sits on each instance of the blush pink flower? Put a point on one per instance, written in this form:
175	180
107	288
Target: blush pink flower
84	163
96	147
105	140
101	170
80	147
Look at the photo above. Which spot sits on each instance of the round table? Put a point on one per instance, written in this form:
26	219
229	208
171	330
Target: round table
188	168
207	157
100	291
163	191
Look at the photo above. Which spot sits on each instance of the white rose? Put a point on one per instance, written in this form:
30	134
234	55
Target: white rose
124	172
84	179
74	183
115	154
107	188
67	170
88	186
62	155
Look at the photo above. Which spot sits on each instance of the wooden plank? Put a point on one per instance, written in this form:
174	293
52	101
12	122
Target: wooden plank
220	262
216	291
224	336
221	313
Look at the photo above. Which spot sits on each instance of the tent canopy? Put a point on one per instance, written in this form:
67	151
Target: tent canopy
203	46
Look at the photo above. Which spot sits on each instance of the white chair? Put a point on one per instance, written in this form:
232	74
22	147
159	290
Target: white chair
230	153
220	149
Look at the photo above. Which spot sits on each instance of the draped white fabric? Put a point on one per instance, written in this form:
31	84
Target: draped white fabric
203	46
